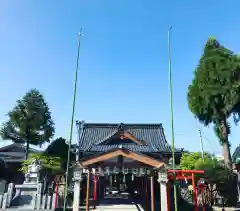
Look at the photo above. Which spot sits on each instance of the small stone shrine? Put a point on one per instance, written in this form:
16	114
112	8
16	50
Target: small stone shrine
27	194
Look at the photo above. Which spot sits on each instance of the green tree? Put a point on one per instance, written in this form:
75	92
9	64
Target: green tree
29	122
59	148
50	164
220	179
214	94
190	160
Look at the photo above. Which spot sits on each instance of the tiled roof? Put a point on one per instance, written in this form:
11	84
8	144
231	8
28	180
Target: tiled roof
92	136
15	152
17	147
12	156
236	154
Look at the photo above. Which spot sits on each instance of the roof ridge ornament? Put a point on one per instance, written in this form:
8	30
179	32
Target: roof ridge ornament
121	126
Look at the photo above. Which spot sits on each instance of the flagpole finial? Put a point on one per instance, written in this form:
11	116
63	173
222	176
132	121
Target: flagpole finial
80	33
170	27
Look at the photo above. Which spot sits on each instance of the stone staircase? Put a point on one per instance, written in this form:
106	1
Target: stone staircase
120	207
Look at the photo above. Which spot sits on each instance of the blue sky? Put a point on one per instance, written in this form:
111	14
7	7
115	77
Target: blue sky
123	61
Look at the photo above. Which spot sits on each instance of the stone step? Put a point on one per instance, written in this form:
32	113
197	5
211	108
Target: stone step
113	209
118	207
22	209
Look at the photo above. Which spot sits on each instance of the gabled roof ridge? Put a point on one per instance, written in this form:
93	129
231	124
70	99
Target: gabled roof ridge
119	129
132	125
107	137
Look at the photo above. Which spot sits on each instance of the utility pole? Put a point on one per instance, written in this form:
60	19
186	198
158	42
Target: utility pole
71	123
172	120
201	142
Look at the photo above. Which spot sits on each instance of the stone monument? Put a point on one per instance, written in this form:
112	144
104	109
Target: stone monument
28	194
33	174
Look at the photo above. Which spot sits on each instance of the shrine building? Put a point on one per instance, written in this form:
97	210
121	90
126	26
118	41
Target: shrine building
121	159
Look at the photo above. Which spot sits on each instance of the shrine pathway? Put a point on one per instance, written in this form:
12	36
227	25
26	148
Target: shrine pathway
119	205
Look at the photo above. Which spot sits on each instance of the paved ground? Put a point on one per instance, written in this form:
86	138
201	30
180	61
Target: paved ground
226	209
105	205
119	205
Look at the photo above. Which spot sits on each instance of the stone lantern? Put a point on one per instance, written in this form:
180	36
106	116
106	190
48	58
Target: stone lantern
163	179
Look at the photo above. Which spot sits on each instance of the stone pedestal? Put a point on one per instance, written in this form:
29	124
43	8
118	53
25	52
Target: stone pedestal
77	188
49	198
31	178
164	200
4	203
10	194
34	201
1	199
44	200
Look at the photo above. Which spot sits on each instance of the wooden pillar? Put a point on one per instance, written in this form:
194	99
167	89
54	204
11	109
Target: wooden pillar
57	195
88	190
99	188
146	186
194	193
95	188
152	193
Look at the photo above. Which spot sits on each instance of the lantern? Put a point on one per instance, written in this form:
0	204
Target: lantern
162	176
116	170
100	171
107	171
142	171
77	174
148	172
134	173
124	171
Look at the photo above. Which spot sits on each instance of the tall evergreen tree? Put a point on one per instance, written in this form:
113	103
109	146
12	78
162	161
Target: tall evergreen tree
214	94
29	122
59	148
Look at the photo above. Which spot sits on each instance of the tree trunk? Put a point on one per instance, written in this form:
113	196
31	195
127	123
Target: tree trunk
227	155
225	146
27	149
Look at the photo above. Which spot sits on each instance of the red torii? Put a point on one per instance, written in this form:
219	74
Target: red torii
185	175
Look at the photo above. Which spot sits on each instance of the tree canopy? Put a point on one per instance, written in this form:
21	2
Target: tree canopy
192	161
29	121
59	148
214	94
50	164
220	179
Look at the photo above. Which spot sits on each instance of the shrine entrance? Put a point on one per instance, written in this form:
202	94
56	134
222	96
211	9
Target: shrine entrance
119	177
